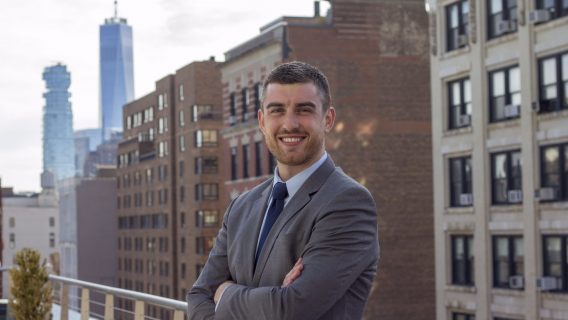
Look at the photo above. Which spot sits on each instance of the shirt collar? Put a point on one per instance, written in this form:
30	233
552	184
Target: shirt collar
295	183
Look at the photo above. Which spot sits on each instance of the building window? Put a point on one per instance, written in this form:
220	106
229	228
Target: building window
462	260
457	24
553	83
206	191
462	316
12	240
181	194
181	168
205	138
182	219
182	245
554	173
52	240
258	158
232	109
556	8
181	119
257	97
508	262
245	102
12	222
502	17
246	161
203	245
206	218
182	272
234	163
182	143
181	97
506	177
51	221
203	112
160	101
505	94
461	182
555	257
459	98
206	165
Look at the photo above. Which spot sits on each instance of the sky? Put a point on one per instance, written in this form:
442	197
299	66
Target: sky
167	35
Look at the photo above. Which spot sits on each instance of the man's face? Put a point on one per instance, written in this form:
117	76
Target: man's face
294	124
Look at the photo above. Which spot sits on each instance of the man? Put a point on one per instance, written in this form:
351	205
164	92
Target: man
302	245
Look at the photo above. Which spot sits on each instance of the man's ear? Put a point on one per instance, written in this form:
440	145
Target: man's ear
329	118
261	120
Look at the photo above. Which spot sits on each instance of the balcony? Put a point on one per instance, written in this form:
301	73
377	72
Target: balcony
65	295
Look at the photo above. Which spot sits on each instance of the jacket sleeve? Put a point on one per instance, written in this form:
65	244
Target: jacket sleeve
200	304
343	244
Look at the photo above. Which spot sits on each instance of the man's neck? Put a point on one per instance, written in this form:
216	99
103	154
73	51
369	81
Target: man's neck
286	172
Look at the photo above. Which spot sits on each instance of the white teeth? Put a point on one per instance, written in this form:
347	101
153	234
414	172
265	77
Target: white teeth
291	140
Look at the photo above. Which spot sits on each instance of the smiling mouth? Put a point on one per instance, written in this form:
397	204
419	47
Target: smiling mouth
291	140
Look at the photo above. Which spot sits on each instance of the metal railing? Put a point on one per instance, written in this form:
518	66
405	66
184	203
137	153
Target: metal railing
62	286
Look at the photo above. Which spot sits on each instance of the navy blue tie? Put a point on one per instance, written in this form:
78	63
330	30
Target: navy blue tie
279	193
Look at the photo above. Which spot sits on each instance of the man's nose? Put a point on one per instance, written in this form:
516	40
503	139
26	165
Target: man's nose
291	121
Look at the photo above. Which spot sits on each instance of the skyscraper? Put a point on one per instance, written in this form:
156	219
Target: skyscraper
116	72
58	144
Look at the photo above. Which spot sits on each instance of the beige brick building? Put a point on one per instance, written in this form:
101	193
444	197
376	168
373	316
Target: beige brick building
499	77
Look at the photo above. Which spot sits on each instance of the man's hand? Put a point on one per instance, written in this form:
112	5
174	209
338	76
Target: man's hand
221	289
293	274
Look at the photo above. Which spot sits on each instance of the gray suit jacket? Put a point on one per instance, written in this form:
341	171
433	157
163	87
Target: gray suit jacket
331	222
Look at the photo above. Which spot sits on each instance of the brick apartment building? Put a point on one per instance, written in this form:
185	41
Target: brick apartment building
169	203
375	54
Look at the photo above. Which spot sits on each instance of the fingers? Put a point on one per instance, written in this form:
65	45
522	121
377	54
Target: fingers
294	273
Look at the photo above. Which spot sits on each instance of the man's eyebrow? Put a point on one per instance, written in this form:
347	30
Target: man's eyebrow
274	104
306	104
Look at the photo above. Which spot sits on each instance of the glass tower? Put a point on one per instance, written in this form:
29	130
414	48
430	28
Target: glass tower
58	142
116	73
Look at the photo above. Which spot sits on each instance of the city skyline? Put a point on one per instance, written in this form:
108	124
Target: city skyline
54	31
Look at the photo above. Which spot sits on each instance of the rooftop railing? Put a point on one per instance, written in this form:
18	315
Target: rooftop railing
86	305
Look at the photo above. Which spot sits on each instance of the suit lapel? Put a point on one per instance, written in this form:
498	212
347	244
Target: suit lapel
257	209
299	201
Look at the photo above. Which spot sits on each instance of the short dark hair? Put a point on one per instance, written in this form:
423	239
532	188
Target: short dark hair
299	72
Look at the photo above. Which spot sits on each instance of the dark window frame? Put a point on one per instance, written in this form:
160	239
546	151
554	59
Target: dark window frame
510	177
563	279
258	158
462	316
513	268
244	103
508	14
246	161
562	170
494	108
206	165
460	108
556	7
452	34
232	109
462	273
465	184
234	174
561	100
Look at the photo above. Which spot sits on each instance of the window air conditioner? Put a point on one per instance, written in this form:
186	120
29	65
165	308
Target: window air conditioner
505	26
547	283
516	282
464	120
515	196
466	199
538	16
462	40
547	194
512	110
